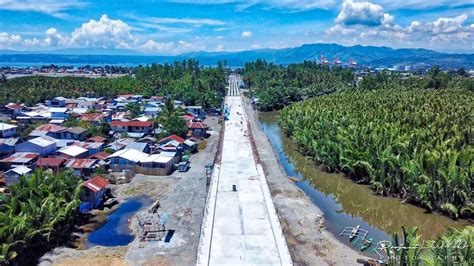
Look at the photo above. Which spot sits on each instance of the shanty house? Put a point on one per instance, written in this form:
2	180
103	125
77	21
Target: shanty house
59	112
139	146
42	145
92	147
57	102
82	167
54	164
20	158
13	175
7	130
93	193
125	159
7	146
159	164
197	129
94	118
71	152
76	133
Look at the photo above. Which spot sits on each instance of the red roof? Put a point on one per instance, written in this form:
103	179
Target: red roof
100	156
49	162
92	117
80	163
14	106
96	183
172	137
96	139
194	125
50	128
132	123
188	117
126	96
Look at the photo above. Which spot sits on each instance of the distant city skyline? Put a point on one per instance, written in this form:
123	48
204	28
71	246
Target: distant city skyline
179	26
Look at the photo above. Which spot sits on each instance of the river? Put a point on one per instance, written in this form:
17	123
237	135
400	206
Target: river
345	203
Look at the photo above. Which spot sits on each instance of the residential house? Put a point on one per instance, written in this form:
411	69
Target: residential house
13	175
51	130
178	103
82	167
54	164
188	117
7	146
59	113
93	193
159	164
94	118
76	133
190	145
125	159
32	117
135	129
173	143
14	109
101	156
7	130
197	111
119	144
57	102
71	152
77	112
92	147
139	146
197	129
44	146
152	111
20	158
158	99
96	139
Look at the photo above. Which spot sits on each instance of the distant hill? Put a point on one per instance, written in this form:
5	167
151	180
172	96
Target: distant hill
364	55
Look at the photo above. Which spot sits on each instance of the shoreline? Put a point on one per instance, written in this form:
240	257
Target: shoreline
302	221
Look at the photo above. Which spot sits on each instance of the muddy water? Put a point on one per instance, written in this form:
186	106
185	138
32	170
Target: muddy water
345	203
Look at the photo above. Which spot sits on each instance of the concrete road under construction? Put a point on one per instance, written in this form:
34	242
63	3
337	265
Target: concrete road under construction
240	224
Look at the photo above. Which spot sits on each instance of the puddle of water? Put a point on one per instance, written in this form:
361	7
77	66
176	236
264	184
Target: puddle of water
345	203
115	231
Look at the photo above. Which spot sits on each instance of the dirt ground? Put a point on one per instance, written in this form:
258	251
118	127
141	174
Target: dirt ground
182	196
302	221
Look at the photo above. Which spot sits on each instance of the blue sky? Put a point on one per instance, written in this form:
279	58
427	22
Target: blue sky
178	26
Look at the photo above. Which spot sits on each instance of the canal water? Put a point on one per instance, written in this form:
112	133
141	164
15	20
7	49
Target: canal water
115	231
345	203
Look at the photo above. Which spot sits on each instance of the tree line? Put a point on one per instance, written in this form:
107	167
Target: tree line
184	80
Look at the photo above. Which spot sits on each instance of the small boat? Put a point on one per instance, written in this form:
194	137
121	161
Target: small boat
366	244
294	179
354	232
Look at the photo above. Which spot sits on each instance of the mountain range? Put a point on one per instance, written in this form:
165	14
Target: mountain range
364	55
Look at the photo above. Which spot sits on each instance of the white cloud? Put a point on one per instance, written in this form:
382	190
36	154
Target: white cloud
53	38
219	48
7	40
51	7
190	21
169	47
363	13
256	46
246	34
106	33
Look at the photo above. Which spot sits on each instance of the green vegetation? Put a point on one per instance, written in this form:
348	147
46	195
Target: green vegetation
278	86
172	120
415	144
38	214
186	80
455	247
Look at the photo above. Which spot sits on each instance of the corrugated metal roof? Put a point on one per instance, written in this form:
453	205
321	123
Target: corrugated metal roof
130	155
136	146
80	163
21	170
100	156
49	161
49	128
96	139
132	123
172	137
20	157
73	150
42	141
96	183
4	126
9	141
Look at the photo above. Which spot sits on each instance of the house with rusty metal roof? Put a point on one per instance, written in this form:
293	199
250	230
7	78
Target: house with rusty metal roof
20	158
93	193
82	167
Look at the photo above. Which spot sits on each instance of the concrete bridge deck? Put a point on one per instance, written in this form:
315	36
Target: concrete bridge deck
241	226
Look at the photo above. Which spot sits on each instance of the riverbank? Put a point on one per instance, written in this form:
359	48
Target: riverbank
303	223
